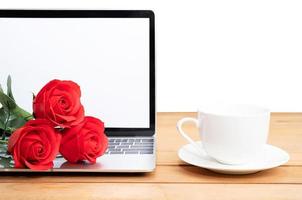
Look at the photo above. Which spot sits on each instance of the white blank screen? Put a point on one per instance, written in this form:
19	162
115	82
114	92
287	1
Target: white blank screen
107	57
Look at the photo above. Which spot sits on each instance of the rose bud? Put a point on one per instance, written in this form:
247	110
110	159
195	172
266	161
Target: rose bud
59	102
86	141
34	145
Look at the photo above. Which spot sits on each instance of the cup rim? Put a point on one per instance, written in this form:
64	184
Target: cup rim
233	110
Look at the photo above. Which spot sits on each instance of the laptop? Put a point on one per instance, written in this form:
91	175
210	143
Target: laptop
110	54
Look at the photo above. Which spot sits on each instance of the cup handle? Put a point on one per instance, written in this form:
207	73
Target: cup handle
179	128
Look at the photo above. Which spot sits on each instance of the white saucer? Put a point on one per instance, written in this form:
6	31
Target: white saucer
270	158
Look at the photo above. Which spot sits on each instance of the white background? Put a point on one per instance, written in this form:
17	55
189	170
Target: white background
218	50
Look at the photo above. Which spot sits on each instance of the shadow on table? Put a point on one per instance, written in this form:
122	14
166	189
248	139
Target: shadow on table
197	171
72	174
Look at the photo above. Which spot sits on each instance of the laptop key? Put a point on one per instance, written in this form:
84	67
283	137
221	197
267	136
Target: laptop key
131	152
146	152
145	143
114	143
127	143
111	150
143	149
147	140
116	152
123	146
140	145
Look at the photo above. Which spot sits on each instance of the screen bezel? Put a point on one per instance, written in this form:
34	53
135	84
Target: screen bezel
107	14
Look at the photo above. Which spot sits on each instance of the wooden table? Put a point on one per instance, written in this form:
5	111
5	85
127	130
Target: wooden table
174	179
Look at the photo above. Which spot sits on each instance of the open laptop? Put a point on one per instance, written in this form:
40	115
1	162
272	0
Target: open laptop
110	54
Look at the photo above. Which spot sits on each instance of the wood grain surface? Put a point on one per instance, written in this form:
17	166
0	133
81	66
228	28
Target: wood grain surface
173	179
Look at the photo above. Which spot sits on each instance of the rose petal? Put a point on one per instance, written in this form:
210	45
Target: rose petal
36	146
85	141
13	139
38	167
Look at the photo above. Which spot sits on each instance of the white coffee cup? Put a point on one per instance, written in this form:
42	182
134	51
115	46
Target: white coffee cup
231	134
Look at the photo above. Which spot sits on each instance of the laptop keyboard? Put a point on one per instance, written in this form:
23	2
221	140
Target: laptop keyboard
130	146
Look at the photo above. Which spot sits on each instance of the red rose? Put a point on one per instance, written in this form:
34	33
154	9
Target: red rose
86	141
35	145
59	102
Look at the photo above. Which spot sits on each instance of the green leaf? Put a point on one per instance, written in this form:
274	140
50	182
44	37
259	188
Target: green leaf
3	117
7	102
15	124
6	160
1	90
22	113
9	87
12	116
13	119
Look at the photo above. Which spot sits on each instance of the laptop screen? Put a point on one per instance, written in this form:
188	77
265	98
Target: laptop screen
107	57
